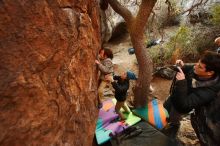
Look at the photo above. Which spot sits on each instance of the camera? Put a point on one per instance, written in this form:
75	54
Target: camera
175	67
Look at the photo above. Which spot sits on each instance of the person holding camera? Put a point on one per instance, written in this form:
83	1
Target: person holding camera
197	90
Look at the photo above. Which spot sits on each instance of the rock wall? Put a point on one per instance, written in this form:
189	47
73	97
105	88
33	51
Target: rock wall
48	84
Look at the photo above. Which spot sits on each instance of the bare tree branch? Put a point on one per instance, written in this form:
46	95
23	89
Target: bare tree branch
201	2
121	10
170	8
153	16
205	2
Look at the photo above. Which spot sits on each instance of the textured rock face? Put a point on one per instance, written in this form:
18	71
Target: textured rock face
48	82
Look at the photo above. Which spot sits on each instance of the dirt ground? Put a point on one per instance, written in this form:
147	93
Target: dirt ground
160	85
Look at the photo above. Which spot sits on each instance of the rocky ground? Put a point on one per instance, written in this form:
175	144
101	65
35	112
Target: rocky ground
160	85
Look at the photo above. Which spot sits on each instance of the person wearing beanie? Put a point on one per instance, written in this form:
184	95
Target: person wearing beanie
131	75
121	85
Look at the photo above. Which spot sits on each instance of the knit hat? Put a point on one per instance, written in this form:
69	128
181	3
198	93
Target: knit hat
131	75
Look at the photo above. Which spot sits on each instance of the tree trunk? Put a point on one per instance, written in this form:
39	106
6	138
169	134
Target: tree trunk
141	90
48	85
136	27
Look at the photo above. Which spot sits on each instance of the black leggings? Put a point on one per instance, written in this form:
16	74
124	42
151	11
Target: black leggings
174	116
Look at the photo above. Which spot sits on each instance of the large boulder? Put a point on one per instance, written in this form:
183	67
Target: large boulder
112	24
47	73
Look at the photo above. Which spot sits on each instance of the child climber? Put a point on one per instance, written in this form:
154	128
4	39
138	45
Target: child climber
105	66
121	86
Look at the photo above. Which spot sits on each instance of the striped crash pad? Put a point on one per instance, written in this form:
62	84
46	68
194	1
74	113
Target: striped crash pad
108	121
154	113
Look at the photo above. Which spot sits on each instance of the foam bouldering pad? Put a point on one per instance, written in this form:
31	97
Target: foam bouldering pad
154	113
108	122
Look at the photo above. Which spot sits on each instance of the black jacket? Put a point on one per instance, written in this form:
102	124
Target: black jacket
121	87
185	98
206	102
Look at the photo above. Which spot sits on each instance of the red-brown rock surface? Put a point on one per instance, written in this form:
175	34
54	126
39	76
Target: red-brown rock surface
48	82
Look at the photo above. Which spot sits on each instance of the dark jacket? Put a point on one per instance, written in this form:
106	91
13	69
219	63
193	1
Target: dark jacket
121	87
206	102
